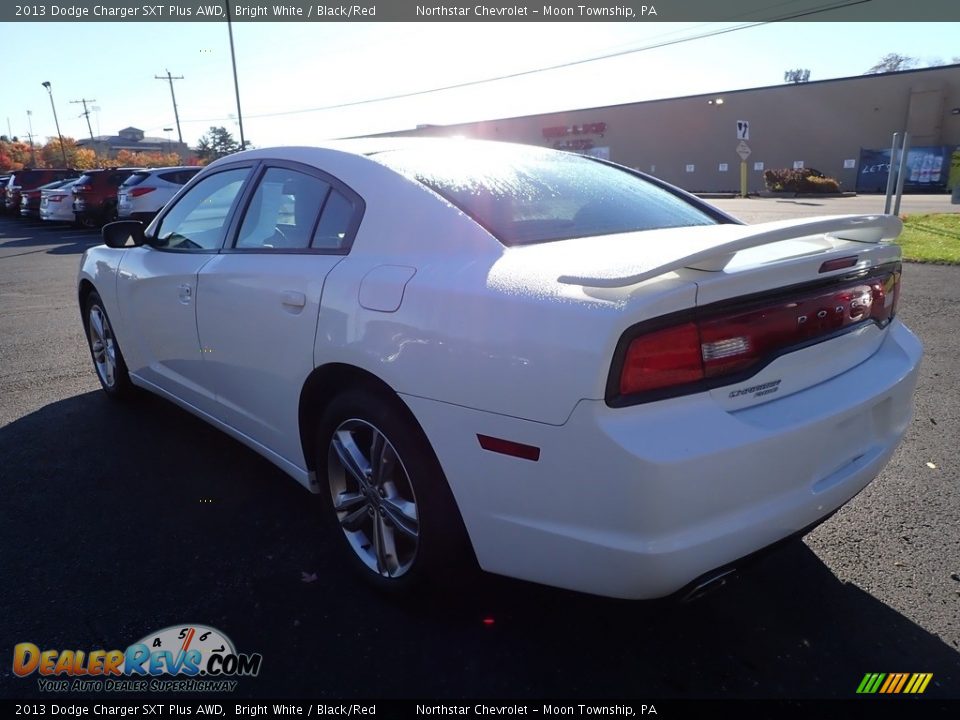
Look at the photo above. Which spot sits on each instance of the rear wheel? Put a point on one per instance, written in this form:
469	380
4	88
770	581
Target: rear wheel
385	498
107	359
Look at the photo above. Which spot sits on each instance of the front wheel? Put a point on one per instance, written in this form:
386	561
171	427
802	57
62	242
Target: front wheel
107	359
384	494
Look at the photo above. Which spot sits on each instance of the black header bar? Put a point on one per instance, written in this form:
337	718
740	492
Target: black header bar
741	11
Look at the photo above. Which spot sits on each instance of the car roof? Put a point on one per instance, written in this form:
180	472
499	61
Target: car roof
366	147
169	168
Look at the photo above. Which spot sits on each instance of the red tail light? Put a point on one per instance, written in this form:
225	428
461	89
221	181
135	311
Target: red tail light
138	191
734	340
662	358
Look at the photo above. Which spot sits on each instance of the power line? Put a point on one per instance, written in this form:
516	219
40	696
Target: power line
559	66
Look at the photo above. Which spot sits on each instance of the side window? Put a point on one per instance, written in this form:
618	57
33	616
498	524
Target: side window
178	177
282	211
334	223
199	219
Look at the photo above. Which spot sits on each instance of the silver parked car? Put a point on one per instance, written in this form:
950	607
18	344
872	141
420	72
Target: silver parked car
145	192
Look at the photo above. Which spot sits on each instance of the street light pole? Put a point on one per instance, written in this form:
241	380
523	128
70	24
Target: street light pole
236	84
63	150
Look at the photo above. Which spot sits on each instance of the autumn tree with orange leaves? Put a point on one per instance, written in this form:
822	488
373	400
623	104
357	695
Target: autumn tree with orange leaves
127	158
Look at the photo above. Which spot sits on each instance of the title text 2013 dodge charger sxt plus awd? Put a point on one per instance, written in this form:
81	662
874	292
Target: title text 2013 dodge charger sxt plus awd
578	374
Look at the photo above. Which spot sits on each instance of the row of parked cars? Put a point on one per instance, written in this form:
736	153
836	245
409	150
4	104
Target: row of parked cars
90	198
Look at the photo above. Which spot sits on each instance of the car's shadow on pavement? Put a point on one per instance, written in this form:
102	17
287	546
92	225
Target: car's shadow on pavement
124	518
58	239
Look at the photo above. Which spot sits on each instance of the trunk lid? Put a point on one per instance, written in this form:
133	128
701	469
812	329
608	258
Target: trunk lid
796	298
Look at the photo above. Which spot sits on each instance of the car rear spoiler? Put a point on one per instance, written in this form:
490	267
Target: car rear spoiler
857	228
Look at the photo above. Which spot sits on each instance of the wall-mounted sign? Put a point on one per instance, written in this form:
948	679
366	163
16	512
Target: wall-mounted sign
847	164
743	129
691	168
723	167
758	166
575	144
798	164
927	169
597	128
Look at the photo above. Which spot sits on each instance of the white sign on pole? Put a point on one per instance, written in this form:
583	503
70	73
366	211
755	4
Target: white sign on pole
743	150
743	129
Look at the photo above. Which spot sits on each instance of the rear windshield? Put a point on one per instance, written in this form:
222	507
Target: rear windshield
135	179
525	195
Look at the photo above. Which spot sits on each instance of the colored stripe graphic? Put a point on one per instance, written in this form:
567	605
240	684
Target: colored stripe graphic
894	683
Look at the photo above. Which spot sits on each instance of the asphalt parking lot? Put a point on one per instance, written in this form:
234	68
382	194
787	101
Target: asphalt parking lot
119	520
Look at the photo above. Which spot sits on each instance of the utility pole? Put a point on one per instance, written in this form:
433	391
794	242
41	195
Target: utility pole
86	114
33	155
170	78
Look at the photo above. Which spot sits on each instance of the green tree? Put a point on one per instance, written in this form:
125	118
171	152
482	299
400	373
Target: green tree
217	143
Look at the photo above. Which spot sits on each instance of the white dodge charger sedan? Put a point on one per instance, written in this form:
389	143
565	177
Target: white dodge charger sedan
562	369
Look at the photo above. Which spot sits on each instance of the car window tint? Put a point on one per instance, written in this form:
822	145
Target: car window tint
198	219
282	211
532	195
334	223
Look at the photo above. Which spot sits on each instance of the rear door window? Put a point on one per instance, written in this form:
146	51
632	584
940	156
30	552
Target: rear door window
283	211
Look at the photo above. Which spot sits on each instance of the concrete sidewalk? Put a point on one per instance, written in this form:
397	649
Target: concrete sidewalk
757	210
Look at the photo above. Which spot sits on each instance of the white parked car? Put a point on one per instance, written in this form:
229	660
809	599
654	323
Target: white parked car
56	204
141	195
571	372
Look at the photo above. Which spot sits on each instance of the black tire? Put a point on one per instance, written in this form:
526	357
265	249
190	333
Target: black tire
105	352
410	473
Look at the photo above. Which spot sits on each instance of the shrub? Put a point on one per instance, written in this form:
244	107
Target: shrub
806	180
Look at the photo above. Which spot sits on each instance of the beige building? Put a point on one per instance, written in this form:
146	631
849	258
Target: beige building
134	140
693	141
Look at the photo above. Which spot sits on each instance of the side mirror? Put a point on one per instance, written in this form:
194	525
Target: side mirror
124	233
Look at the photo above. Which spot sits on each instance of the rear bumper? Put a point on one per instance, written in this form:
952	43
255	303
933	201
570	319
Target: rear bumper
638	502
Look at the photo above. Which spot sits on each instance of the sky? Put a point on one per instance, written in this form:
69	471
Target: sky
288	70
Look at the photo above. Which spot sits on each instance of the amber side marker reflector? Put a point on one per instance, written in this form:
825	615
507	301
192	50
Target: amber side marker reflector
838	264
508	447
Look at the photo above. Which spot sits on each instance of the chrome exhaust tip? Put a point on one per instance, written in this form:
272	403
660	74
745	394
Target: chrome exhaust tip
708	584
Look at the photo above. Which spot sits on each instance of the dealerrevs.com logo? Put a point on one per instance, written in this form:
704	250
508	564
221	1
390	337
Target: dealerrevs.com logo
198	657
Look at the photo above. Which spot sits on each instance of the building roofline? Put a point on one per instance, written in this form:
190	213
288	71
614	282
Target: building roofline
868	76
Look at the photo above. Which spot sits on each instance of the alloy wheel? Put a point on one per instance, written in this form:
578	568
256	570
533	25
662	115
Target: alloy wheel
373	498
103	345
